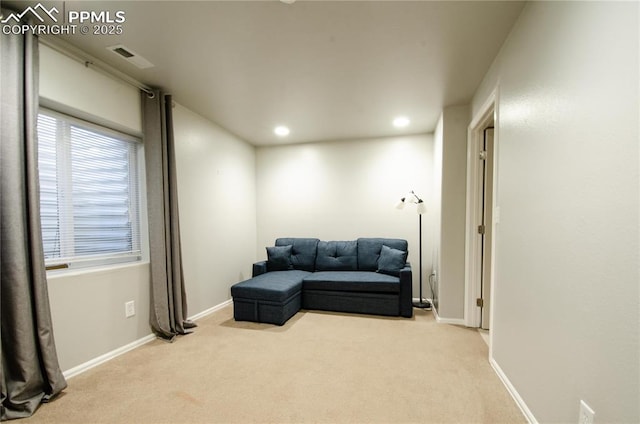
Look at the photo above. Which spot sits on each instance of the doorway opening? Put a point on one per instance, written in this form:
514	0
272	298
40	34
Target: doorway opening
485	227
482	215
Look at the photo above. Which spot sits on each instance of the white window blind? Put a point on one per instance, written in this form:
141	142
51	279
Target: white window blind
89	192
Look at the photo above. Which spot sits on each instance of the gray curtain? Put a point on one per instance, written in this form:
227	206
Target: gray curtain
30	370
168	316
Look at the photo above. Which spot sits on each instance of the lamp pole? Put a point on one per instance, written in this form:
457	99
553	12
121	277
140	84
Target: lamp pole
420	304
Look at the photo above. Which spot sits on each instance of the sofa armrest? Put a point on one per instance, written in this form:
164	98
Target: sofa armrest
406	290
259	268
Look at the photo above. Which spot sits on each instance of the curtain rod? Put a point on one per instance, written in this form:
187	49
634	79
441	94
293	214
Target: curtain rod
87	60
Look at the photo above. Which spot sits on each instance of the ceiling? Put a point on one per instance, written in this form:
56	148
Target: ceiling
329	70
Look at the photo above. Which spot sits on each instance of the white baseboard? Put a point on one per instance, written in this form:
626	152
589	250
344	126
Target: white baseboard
210	310
453	321
513	392
72	372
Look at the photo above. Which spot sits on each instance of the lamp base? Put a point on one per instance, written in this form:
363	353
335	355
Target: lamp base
422	305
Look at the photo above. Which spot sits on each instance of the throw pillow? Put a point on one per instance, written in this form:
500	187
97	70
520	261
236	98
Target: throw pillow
391	261
279	258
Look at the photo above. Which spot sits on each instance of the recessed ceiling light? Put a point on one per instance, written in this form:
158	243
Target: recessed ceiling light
281	130
401	121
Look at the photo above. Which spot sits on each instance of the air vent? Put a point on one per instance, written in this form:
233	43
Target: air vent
130	56
124	53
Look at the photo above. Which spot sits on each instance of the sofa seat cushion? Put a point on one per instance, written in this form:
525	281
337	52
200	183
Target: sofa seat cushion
276	286
352	281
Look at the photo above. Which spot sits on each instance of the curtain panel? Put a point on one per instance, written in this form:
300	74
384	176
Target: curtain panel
30	370
168	316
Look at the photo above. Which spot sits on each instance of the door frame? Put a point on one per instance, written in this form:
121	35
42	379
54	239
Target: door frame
486	115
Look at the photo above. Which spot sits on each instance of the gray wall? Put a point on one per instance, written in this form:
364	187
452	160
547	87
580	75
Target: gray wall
566	310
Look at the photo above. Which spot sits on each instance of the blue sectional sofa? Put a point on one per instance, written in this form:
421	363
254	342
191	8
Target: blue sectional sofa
367	275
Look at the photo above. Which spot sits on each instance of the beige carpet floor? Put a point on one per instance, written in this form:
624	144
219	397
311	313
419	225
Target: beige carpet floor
317	368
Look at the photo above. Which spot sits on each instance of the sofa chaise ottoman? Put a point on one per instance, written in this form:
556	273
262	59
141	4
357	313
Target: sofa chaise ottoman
367	275
273	297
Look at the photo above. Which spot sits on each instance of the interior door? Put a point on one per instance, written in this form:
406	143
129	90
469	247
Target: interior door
487	223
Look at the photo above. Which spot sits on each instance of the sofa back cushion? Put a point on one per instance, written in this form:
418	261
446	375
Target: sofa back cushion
337	256
303	252
369	251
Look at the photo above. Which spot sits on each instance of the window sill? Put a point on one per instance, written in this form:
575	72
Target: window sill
104	269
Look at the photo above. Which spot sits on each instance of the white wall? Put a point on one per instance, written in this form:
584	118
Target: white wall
566	306
87	307
345	190
451	151
69	86
216	190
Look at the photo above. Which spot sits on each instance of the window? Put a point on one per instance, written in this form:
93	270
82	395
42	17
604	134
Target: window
89	192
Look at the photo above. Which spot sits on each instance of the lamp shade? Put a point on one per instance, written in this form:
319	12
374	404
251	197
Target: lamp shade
421	208
400	204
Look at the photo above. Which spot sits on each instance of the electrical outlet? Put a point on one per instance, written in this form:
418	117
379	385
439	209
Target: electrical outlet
586	414
129	309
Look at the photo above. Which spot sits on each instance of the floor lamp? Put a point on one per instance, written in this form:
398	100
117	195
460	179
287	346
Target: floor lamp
420	209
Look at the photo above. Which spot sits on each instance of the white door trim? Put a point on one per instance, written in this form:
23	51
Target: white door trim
486	115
